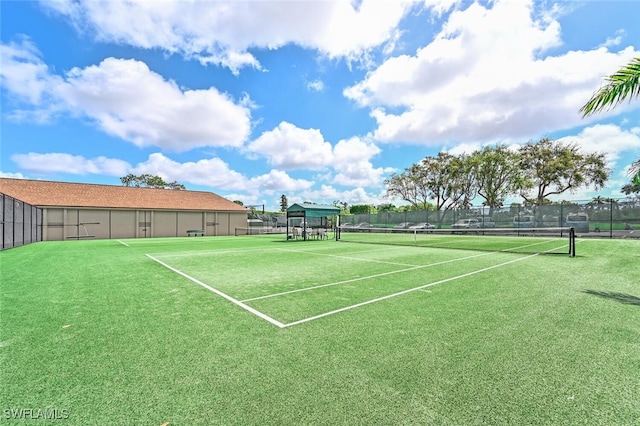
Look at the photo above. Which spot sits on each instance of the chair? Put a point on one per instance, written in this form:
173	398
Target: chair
321	233
296	233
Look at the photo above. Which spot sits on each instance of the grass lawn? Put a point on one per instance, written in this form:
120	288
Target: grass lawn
104	332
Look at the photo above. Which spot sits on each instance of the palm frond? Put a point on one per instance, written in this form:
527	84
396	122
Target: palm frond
625	83
634	172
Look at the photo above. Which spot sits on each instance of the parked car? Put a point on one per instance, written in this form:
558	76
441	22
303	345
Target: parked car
347	227
486	222
362	226
524	221
578	221
423	225
404	225
467	224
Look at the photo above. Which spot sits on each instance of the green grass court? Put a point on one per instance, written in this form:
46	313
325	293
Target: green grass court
260	330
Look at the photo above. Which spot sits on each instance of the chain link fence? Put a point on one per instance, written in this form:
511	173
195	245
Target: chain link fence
607	218
21	222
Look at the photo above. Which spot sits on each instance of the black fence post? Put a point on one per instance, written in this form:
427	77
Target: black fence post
610	218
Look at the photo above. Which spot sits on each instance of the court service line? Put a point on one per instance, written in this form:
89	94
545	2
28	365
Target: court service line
411	268
347	257
400	293
123	243
365	278
219	293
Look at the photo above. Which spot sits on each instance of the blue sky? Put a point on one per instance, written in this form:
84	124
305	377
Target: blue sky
317	100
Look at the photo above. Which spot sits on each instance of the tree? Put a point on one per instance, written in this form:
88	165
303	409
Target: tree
631	188
405	187
496	173
623	84
551	168
634	171
362	209
387	207
343	205
284	203
150	181
445	179
599	202
465	180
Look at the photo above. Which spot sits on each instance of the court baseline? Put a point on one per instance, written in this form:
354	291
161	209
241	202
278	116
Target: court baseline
219	293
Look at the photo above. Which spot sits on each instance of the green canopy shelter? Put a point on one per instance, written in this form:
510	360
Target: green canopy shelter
306	211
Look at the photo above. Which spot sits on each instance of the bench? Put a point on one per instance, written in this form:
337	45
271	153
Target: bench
195	233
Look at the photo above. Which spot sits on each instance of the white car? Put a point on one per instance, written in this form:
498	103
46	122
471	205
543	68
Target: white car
467	224
578	221
486	222
423	225
404	225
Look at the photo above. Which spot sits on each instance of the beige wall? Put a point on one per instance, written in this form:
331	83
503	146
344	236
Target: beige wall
73	223
122	224
52	224
165	224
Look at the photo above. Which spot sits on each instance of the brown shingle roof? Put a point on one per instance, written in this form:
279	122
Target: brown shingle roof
43	193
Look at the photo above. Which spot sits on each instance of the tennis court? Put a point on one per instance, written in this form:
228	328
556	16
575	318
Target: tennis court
263	330
297	282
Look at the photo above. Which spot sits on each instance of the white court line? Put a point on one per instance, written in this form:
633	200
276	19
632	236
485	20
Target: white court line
365	278
347	257
211	252
282	325
219	293
123	243
411	268
174	240
400	293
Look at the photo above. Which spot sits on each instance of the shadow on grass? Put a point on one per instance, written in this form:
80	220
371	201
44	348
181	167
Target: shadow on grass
627	299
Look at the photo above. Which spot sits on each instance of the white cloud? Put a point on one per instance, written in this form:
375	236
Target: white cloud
352	162
327	194
289	147
615	41
128	100
211	172
73	164
484	77
12	175
279	181
223	32
132	102
464	148
609	139
361	196
315	86
27	78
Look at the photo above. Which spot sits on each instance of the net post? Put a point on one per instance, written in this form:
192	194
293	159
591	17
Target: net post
572	242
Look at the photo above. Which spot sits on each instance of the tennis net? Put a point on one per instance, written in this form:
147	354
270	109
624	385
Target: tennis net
514	240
